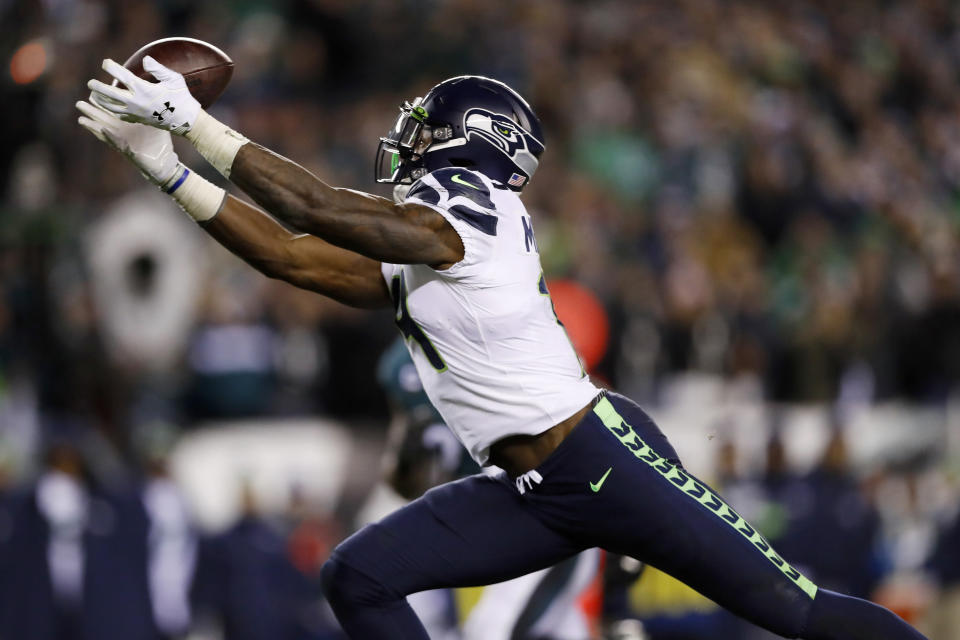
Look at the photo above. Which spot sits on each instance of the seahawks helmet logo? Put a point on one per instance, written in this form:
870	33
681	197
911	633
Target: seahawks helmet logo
506	135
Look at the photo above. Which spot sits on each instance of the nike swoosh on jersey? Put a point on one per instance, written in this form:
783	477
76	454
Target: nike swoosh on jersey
456	178
595	486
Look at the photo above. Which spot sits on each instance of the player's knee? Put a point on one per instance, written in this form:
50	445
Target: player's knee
344	586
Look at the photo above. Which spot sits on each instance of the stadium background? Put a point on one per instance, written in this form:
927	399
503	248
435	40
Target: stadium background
764	196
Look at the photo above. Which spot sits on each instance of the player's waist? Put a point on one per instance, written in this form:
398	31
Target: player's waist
518	454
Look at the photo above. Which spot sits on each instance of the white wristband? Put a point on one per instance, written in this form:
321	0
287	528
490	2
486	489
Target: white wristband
199	198
216	142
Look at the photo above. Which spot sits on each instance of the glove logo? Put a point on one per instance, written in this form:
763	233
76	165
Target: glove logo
159	114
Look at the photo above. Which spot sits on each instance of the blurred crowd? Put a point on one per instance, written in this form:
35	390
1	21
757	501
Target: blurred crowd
768	192
81	558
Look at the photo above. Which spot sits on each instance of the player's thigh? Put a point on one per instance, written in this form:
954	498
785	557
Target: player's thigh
678	524
470	532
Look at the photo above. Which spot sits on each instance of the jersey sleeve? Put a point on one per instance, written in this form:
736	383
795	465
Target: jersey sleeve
462	197
388	271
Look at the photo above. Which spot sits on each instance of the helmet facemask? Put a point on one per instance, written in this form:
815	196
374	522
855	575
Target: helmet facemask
400	154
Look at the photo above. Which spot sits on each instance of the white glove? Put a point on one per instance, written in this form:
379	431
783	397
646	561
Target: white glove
151	150
166	104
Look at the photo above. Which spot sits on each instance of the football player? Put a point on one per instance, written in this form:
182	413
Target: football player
457	260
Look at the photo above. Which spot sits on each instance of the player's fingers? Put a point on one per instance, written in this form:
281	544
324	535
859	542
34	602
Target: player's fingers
109	119
92	127
104	121
120	72
117	141
110	139
94	113
107	104
116	94
157	70
87	109
118	111
99	100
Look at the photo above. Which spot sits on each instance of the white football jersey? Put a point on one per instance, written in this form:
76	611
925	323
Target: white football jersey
493	357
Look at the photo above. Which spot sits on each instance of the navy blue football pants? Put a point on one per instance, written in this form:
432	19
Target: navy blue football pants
615	482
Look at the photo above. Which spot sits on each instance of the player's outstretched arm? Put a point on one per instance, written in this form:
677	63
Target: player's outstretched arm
303	260
372	226
368	224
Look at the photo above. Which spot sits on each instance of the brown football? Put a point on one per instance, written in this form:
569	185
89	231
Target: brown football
206	68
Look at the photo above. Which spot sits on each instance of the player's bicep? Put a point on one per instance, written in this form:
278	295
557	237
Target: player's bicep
446	246
338	273
405	233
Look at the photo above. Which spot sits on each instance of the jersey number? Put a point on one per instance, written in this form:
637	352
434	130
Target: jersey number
408	327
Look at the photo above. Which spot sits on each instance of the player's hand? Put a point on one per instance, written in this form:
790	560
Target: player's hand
166	104
151	150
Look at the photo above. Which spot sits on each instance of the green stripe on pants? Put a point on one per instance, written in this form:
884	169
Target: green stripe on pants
696	491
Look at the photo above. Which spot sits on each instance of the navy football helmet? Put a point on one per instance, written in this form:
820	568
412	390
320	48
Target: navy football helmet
468	121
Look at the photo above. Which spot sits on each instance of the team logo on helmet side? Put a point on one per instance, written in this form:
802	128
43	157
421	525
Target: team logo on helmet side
504	134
